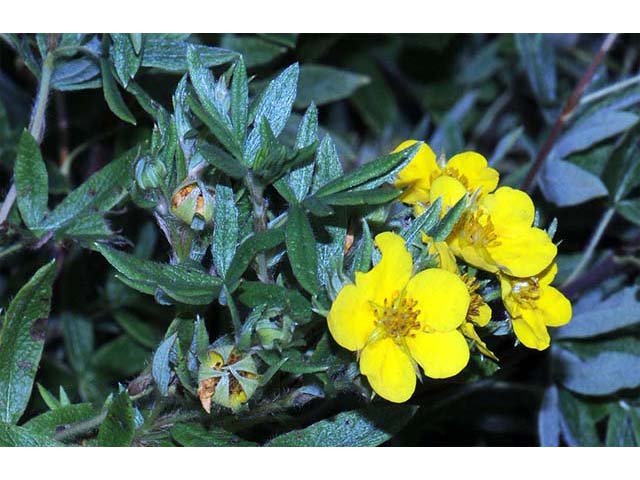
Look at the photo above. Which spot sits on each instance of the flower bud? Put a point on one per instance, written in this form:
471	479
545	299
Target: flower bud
193	203
150	173
227	378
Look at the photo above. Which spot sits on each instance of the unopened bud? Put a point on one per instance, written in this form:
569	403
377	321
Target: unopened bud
193	203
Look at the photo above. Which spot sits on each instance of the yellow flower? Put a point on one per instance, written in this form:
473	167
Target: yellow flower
424	180
497	235
534	305
478	314
226	378
395	319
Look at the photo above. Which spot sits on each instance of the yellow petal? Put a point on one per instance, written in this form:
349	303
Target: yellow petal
449	189
531	331
447	260
391	274
472	254
472	169
351	319
470	332
525	254
510	209
389	370
442	298
548	274
416	176
441	355
554	307
483	317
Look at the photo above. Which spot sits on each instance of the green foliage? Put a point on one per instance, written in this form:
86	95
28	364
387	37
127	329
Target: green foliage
222	189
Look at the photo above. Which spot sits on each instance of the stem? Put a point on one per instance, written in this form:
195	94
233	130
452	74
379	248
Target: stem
570	105
591	247
36	126
79	428
37	123
260	224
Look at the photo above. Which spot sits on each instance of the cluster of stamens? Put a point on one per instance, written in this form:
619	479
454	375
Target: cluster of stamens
397	317
477	232
476	299
527	291
453	172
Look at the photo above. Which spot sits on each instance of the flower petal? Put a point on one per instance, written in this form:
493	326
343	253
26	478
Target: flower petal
483	317
416	176
554	307
531	331
469	331
472	169
449	189
524	254
548	274
442	298
510	209
351	319
393	271
441	355
389	370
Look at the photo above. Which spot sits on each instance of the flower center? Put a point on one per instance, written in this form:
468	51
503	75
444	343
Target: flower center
397	317
453	172
477	229
526	292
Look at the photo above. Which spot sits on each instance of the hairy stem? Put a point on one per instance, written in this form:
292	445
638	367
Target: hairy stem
80	428
260	224
36	125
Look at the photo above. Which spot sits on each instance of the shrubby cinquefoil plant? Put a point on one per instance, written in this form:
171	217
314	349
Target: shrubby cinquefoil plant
209	261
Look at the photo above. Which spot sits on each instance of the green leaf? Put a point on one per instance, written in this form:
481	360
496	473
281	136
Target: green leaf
240	101
549	418
301	249
170	54
566	184
222	160
126	57
321	84
76	74
196	435
362	258
444	227
328	165
622	173
182	284
118	427
112	94
253	294
218	124
50	423
579	424
274	106
161	370
630	209
225	233
136	41
424	223
295	362
121	357
538	58
620	429
255	51
140	331
299	179
101	192
371	172
21	342
620	310
51	401
32	182
249	248
593	129
376	196
602	374
357	428
14	436
78	340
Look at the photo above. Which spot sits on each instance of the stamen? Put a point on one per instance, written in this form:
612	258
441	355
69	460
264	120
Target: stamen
397	317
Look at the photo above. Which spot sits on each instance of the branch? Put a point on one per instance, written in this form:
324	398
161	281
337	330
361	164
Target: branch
569	106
